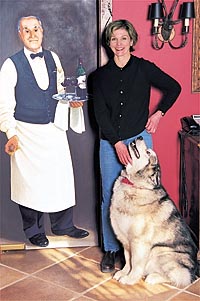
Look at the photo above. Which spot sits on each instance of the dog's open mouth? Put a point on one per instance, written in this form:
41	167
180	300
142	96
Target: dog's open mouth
135	150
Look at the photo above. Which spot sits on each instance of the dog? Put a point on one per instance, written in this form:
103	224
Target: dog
158	245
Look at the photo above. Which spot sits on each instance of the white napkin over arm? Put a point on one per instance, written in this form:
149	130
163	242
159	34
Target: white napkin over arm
76	122
61	115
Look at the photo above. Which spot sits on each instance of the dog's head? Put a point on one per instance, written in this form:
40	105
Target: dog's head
144	170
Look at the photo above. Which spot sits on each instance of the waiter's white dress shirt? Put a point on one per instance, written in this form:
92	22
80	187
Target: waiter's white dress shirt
41	170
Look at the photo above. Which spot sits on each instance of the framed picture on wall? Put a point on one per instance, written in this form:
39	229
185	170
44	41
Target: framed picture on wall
70	30
196	50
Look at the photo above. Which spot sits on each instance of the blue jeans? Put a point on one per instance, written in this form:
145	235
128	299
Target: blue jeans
110	169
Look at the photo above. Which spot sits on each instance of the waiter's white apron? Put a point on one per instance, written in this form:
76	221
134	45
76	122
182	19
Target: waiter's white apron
41	170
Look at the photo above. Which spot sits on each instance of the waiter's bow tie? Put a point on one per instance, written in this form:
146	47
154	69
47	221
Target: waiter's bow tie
39	54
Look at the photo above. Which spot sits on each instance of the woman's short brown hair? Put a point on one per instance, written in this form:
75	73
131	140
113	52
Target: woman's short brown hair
117	24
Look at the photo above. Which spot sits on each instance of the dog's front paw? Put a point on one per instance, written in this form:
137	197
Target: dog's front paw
118	275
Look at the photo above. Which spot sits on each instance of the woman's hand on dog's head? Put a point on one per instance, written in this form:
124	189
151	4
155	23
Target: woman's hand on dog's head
122	153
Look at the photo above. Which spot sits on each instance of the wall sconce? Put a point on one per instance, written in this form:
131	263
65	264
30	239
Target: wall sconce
163	25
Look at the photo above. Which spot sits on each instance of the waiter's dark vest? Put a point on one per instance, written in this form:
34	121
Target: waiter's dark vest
34	105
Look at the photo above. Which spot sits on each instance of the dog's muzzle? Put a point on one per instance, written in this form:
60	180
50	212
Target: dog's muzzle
134	147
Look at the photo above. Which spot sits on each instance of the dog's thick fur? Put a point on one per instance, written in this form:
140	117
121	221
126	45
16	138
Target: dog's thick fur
157	243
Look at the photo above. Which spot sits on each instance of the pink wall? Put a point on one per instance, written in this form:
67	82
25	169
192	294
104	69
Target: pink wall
178	64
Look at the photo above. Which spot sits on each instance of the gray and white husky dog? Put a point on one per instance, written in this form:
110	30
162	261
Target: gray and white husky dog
158	245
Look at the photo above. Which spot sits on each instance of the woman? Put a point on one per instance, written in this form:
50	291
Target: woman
121	91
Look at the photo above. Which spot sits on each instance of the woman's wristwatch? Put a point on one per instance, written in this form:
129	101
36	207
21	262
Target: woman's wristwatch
162	113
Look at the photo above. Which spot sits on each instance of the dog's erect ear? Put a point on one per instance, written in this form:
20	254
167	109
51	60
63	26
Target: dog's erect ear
155	176
153	159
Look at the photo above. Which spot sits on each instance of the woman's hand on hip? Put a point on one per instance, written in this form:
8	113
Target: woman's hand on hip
153	121
122	153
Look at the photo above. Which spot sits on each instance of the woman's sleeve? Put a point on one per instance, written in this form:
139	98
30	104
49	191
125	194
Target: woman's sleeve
169	87
102	113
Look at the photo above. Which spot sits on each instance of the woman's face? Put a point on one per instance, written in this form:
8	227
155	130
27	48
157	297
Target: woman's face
120	42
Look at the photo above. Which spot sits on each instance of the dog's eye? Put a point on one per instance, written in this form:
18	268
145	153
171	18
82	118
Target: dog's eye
148	152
